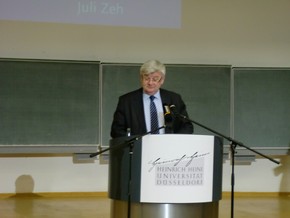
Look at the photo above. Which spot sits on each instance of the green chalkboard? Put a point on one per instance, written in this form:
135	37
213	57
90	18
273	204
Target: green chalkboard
117	79
47	102
204	88
262	106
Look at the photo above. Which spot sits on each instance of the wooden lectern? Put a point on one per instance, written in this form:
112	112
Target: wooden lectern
172	176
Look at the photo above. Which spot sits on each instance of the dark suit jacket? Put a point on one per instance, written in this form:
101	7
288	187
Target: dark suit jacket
130	114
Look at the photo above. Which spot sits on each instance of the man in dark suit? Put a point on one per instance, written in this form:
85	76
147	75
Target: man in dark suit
133	109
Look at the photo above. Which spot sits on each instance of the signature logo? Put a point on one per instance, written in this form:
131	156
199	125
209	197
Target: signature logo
176	161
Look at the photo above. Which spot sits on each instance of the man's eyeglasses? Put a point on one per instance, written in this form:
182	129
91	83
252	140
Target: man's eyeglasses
154	79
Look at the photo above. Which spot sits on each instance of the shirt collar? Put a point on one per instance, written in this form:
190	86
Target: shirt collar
156	95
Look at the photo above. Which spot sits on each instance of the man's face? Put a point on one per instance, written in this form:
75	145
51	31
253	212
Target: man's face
152	82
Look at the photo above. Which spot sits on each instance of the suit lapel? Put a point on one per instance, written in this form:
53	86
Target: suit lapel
165	98
139	109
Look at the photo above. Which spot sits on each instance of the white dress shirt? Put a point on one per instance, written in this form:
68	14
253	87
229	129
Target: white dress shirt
159	107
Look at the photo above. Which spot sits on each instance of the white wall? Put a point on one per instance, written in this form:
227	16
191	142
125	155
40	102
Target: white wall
237	32
51	174
261	176
60	174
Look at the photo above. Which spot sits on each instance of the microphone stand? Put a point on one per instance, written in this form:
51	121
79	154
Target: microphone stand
234	144
129	143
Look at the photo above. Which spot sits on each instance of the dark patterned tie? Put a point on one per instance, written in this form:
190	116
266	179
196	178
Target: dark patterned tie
153	116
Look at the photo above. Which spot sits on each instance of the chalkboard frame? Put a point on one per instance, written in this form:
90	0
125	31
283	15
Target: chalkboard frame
78	87
254	89
125	77
102	131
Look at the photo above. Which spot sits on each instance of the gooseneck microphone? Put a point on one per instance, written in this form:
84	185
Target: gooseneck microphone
175	112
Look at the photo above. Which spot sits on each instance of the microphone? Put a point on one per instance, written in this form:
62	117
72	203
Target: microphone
167	113
173	109
176	113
